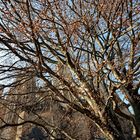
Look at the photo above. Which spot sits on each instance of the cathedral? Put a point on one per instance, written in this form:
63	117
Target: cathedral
31	113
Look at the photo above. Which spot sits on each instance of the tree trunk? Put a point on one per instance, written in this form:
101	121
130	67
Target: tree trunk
136	108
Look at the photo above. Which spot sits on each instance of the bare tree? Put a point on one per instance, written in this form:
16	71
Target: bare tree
86	52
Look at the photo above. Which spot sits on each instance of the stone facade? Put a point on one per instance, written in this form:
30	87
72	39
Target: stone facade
28	103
